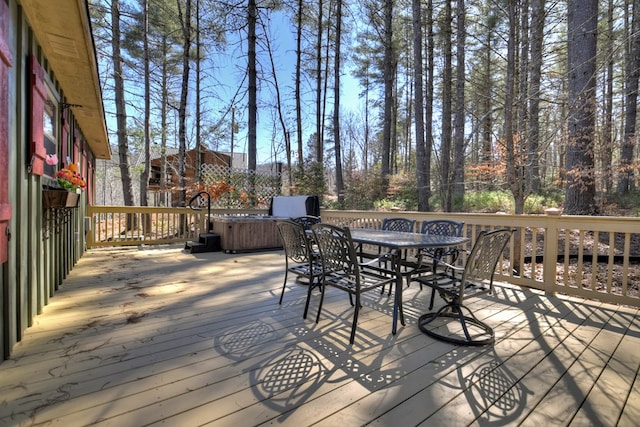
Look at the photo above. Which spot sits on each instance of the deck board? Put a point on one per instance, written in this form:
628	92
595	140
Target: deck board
157	336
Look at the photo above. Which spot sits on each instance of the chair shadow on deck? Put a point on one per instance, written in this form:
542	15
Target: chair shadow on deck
497	396
492	392
292	363
245	341
290	377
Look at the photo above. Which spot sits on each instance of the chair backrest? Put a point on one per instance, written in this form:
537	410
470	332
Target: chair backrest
336	249
306	221
442	227
481	262
295	241
399	224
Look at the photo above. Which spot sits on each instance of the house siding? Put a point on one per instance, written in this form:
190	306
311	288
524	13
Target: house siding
40	254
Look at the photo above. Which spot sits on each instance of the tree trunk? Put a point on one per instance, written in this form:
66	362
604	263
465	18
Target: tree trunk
486	152
513	174
298	82
336	106
535	64
252	131
521	77
625	178
325	80
319	146
606	147
144	176
367	129
515	177
182	109
421	165
428	108
121	112
581	48
279	107
389	77
163	119
445	148
199	148
459	123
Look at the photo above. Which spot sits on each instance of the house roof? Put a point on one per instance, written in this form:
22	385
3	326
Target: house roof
63	29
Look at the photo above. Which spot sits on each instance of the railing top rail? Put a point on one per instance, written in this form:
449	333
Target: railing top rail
554	253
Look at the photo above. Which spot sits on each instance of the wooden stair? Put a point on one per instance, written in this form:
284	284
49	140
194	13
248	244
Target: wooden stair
207	242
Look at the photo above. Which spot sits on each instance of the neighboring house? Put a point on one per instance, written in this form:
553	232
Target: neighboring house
50	103
173	167
108	189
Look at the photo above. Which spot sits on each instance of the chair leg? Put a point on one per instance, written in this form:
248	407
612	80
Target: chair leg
306	305
284	285
457	314
472	319
321	301
354	325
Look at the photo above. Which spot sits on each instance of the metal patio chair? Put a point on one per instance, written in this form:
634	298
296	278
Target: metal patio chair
427	257
306	221
460	283
342	270
391	224
300	257
398	224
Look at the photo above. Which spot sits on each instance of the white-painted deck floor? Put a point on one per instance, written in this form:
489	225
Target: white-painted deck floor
154	335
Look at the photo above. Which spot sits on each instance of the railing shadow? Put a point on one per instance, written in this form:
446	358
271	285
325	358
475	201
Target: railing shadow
569	311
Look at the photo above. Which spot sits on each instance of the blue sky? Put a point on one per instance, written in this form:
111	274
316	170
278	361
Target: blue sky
228	69
283	44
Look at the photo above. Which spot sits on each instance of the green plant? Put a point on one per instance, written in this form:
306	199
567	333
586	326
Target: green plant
310	179
487	201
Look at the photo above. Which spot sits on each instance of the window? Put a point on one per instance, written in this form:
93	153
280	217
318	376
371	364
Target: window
49	121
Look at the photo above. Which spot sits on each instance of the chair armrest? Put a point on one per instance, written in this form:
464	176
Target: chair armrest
437	260
385	257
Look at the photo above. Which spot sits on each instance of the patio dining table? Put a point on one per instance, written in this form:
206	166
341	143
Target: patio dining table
396	242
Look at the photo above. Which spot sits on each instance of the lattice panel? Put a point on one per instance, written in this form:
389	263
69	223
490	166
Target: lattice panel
235	188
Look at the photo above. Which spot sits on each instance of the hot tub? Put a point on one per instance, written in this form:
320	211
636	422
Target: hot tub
253	233
246	233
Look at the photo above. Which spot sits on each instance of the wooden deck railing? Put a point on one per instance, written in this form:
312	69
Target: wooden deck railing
586	256
135	225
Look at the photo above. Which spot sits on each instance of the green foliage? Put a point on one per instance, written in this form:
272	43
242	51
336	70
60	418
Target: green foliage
626	204
458	202
402	193
310	179
488	201
502	201
360	191
536	204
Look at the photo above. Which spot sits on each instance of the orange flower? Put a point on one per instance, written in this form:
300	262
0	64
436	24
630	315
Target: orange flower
70	179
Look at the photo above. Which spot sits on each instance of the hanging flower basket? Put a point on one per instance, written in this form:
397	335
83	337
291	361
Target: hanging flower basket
58	199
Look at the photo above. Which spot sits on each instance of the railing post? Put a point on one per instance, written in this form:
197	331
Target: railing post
204	221
550	255
89	233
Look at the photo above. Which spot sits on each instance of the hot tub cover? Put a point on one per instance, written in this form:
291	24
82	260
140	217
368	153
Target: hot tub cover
294	206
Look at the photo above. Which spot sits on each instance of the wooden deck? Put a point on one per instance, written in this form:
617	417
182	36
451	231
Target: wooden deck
152	336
